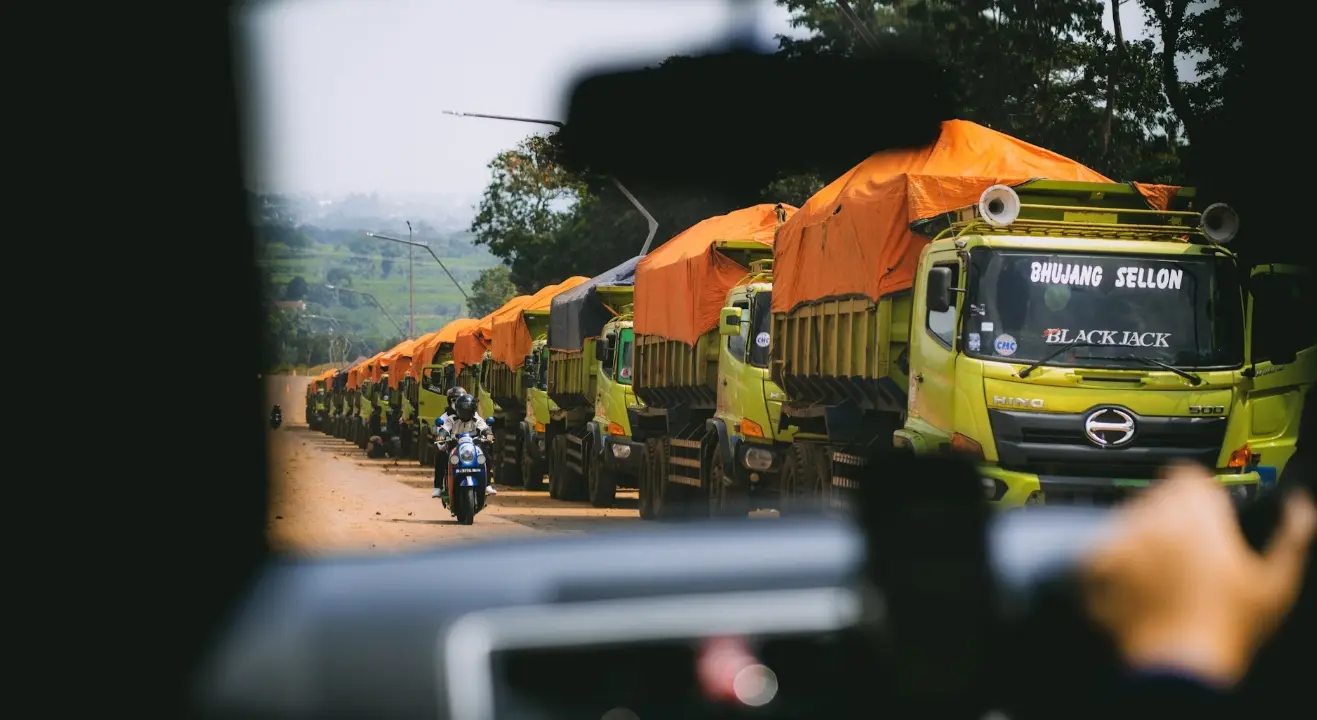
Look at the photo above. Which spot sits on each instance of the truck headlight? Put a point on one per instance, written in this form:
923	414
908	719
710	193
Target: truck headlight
621	452
758	459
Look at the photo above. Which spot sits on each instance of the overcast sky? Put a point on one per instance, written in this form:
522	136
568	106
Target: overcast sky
348	95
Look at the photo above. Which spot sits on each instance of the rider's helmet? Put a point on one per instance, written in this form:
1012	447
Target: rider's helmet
454	393
465	407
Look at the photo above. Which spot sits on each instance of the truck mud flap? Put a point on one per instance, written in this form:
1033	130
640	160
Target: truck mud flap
726	448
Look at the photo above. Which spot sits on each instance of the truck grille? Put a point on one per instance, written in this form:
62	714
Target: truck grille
1055	444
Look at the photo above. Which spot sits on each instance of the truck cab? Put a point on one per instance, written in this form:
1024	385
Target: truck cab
540	409
749	403
1282	362
622	459
1074	351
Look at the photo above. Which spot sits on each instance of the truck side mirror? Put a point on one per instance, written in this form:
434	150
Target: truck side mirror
938	289
601	350
729	321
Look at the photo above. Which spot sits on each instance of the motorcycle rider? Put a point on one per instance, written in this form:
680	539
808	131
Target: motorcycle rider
460	418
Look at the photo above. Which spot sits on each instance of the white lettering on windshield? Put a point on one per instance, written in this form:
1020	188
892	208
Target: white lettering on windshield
1065	274
1159	279
1125	338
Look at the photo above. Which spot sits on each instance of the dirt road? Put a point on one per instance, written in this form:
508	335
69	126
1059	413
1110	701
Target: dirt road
326	496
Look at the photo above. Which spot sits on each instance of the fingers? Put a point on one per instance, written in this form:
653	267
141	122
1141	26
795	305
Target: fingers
1284	561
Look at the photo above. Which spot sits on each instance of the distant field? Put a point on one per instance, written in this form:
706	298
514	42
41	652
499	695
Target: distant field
437	301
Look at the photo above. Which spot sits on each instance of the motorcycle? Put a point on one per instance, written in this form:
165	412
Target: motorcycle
276	418
468	476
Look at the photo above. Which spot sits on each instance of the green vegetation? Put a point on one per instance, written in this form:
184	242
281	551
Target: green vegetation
321	284
1047	73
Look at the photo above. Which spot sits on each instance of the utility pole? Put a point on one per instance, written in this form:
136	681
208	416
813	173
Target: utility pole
411	287
649	219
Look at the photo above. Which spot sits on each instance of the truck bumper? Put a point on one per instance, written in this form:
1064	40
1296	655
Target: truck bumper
1016	489
622	455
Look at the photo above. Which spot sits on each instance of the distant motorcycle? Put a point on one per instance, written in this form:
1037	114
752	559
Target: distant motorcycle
468	476
276	418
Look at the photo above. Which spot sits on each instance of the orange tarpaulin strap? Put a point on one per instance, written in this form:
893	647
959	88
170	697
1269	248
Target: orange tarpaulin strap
511	339
471	344
681	285
853	238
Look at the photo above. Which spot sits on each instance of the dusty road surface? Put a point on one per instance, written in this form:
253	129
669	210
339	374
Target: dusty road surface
327	497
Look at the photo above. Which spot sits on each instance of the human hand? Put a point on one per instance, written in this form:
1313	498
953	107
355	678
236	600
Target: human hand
1178	587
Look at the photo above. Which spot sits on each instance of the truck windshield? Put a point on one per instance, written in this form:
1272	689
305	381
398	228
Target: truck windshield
625	342
1183	311
761	326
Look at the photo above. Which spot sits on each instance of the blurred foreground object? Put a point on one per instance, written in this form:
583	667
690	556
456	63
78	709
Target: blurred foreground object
1178	586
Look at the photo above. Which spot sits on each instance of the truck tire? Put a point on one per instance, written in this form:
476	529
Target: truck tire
574	485
557	448
648	481
532	473
804	480
601	483
724	500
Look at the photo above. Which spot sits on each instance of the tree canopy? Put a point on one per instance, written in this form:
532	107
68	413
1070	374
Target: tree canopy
1048	73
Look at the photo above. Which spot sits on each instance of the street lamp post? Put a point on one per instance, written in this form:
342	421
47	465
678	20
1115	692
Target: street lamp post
649	219
427	249
411	287
373	301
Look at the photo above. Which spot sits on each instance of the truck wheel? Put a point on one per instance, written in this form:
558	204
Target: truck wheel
723	498
532	473
574	484
647	481
601	483
556	485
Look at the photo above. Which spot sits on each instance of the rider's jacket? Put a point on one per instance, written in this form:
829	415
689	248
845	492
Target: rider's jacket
454	426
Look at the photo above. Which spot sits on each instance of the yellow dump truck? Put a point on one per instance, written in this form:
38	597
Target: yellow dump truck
713	443
596	454
1072	336
516	388
1282	362
435	374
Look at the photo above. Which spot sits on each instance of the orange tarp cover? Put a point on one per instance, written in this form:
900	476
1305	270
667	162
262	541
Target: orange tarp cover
398	360
681	285
427	345
362	370
471	344
511	335
852	238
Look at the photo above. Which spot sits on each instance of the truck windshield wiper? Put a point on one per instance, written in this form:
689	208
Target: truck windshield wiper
1192	378
1048	357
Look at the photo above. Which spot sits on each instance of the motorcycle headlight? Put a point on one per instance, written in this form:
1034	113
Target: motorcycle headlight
466	454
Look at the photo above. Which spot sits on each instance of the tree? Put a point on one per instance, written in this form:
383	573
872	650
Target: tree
339	276
386	267
530	196
296	288
492	288
1043	72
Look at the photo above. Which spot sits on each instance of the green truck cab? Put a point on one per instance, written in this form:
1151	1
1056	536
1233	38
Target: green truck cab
1064	335
537	430
316	403
436	380
1282	362
709	421
589	335
521	452
337	398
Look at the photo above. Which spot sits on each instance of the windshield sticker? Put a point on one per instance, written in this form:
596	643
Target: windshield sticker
973	341
1126	338
1065	274
987	327
1004	345
1137	277
762	339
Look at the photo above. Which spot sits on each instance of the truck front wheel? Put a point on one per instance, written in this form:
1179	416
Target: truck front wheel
532	473
601	482
724	500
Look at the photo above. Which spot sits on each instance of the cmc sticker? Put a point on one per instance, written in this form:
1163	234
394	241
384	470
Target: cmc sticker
1065	274
1004	345
973	342
762	339
1125	338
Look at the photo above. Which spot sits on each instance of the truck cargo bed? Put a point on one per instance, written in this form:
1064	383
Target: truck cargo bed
852	350
505	387
669	373
572	377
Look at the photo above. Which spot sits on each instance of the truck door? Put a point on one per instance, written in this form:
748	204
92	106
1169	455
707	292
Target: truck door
1282	352
933	353
731	358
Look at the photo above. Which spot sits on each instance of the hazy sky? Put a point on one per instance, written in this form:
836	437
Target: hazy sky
348	95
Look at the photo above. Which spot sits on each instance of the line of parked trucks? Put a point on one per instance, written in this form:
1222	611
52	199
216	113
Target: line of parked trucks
982	296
